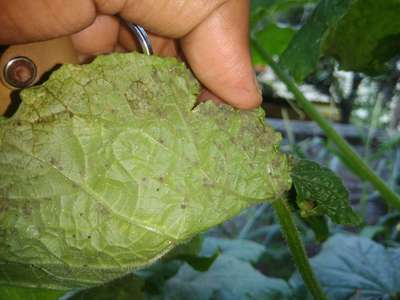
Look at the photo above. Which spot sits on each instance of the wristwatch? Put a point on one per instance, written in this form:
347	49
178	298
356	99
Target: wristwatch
25	65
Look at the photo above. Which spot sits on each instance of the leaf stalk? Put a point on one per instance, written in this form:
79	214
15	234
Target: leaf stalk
297	249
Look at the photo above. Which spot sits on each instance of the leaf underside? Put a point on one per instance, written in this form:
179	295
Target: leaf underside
107	166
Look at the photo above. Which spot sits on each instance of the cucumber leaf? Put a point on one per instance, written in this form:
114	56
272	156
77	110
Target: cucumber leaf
361	34
108	166
351	267
366	37
228	278
244	250
319	191
274	38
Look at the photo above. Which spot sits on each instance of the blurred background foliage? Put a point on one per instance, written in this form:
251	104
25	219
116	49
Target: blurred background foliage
344	55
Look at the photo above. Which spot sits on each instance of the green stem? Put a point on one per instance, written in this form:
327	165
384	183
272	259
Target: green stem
358	165
296	247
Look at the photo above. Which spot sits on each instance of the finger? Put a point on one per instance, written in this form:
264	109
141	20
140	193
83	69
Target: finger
127	39
218	53
25	21
99	38
120	49
168	18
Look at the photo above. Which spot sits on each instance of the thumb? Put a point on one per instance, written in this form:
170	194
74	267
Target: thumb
218	52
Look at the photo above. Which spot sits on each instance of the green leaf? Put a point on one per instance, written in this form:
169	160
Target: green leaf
319	191
126	288
273	38
366	37
245	250
361	34
304	50
108	166
20	293
228	278
350	266
266	29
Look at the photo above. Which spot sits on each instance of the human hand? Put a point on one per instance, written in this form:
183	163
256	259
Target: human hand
211	35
